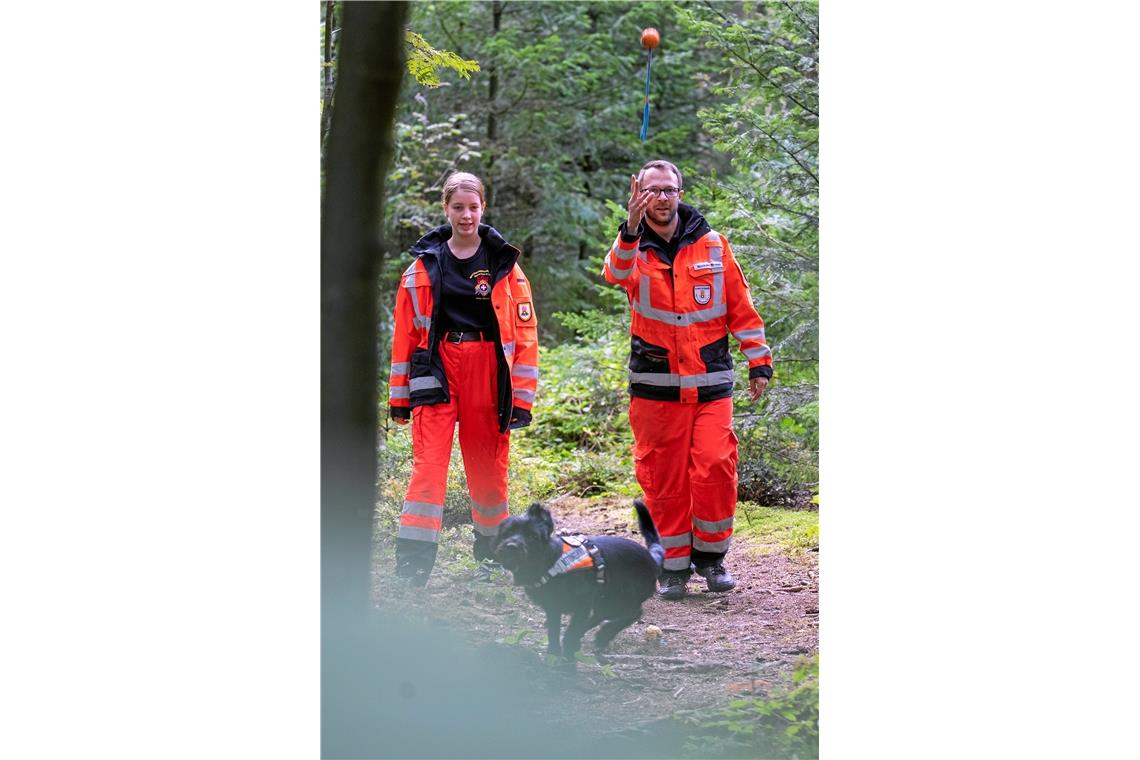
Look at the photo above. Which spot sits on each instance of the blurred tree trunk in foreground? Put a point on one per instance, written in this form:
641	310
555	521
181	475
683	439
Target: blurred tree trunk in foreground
358	153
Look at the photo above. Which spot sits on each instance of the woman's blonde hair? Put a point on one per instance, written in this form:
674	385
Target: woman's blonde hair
463	181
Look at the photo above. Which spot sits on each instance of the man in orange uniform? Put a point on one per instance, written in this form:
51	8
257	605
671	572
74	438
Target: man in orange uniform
686	293
465	349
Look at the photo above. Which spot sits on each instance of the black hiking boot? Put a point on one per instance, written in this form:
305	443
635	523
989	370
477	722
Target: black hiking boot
414	561
718	578
673	585
482	548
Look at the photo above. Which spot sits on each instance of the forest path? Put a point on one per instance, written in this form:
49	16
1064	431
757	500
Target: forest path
713	647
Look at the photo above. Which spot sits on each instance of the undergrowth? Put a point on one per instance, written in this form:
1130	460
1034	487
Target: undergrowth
781	724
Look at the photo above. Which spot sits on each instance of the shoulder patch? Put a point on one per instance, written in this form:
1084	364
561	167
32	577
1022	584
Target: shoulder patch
524	311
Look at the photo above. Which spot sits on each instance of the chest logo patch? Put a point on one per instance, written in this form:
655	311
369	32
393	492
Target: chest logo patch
702	294
524	311
482	280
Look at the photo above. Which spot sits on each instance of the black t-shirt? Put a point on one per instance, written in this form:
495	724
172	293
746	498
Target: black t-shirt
465	303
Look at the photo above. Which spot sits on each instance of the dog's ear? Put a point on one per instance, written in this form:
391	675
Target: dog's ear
541	516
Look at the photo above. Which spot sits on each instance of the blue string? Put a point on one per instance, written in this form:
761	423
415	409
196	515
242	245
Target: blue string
645	113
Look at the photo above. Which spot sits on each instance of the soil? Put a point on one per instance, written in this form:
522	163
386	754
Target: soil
712	647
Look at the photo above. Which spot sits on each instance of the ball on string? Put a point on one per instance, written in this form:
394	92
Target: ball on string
650	38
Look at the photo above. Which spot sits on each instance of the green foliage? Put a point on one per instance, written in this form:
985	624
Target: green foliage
792	530
768	203
580	439
424	61
783	724
549	120
550	123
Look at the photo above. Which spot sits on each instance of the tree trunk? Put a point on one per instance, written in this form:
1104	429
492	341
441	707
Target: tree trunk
359	149
326	111
493	78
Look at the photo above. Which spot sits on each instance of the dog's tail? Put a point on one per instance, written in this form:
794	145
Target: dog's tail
649	531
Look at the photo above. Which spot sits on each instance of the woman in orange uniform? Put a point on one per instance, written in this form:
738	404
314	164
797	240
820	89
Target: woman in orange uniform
465	350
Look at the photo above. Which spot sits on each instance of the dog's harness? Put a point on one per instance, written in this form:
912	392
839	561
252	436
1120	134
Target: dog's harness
578	553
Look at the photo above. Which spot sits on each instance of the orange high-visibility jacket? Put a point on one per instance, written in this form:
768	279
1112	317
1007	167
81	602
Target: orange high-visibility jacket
682	315
417	375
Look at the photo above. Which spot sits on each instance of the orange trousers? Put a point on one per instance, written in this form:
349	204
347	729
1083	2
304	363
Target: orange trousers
685	459
471	380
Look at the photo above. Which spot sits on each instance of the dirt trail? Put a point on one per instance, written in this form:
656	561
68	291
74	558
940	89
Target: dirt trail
714	647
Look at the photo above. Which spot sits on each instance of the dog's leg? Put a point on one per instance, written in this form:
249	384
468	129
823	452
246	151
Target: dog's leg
611	629
553	633
580	622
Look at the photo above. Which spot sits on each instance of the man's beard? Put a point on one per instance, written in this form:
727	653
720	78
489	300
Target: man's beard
671	214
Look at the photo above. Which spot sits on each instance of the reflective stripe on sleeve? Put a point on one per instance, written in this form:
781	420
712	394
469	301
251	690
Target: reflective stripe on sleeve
523	395
620	273
758	353
744	335
420	320
401	368
625	254
524	370
399	391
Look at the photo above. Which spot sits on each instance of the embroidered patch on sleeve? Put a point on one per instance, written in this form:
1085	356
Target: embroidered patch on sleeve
524	311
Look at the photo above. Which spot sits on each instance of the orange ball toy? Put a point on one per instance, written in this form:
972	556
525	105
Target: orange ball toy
650	38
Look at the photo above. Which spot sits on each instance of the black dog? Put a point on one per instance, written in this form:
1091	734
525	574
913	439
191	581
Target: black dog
593	579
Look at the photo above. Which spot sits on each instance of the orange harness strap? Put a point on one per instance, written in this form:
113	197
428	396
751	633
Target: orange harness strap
578	553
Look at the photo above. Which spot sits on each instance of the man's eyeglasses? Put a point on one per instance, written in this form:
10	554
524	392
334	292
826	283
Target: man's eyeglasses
668	192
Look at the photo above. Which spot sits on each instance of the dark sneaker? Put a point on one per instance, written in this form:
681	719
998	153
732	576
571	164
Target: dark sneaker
487	571
673	586
718	578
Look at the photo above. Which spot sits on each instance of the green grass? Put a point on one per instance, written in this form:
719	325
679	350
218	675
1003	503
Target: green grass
792	531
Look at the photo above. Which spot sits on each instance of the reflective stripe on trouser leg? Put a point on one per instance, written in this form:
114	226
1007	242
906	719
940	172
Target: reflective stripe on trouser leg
421	521
433	427
712	475
662	433
471	369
